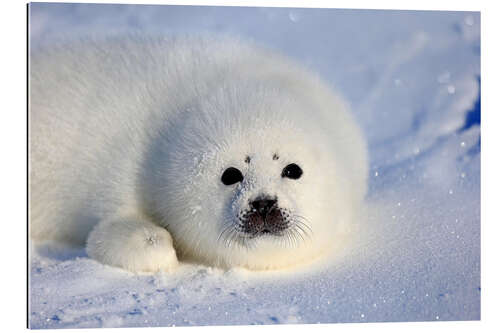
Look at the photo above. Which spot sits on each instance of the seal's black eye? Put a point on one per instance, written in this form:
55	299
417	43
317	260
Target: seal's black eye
292	171
231	176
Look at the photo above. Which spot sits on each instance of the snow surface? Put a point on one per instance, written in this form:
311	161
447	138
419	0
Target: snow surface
413	80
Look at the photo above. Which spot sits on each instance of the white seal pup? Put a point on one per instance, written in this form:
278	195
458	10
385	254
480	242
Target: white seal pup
150	149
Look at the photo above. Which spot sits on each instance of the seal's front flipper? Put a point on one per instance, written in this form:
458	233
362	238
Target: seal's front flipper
133	243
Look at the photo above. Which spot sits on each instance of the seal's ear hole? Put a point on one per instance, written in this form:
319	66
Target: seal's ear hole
231	176
292	171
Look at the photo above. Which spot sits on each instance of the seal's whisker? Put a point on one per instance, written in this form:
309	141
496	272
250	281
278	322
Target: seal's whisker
304	229
243	242
288	229
287	240
298	219
224	231
301	232
298	237
298	233
230	237
292	238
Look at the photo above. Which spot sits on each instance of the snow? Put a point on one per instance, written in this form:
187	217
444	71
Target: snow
413	81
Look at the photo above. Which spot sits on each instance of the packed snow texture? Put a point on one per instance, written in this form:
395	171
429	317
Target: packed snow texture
413	81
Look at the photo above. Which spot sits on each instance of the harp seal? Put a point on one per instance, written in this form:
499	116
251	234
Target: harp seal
151	150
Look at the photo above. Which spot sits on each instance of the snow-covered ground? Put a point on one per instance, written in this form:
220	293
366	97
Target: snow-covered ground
413	81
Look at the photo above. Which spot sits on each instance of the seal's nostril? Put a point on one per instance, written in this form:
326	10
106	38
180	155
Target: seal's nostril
263	206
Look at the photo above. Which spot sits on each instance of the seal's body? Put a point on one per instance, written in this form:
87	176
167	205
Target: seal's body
226	152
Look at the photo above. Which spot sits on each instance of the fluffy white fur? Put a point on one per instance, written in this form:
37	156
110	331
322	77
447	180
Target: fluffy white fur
130	136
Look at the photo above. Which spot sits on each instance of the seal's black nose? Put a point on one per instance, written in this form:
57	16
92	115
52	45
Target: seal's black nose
263	205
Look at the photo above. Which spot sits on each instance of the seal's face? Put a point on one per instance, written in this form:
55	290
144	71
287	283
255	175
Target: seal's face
262	213
249	188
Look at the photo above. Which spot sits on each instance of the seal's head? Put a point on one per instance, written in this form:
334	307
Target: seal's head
250	179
